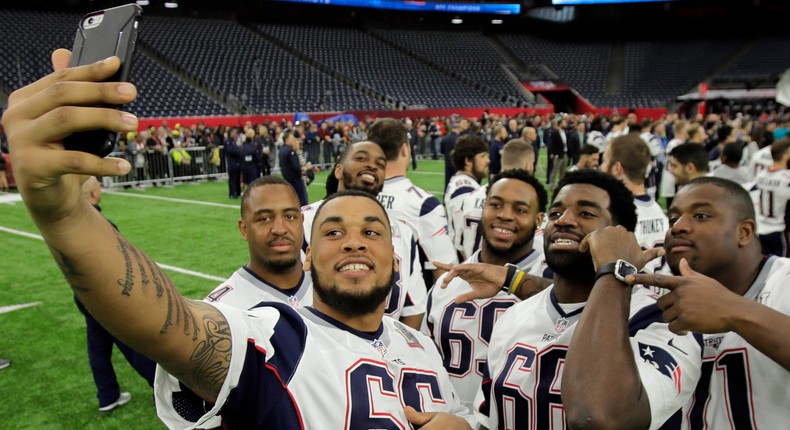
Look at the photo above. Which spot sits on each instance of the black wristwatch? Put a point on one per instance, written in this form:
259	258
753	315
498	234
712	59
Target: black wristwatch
620	269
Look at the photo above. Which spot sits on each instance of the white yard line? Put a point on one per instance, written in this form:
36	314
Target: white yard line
170	199
164	266
12	308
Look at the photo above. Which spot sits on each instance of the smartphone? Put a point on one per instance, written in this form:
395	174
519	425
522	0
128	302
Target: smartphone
102	34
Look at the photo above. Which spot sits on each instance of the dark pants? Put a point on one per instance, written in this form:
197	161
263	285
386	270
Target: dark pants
249	172
234	180
328	150
100	344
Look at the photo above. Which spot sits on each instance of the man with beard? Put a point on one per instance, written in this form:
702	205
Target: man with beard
726	288
260	368
361	167
470	157
271	224
512	211
408	203
553	357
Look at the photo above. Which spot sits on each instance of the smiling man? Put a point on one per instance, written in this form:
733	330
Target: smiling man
512	211
264	368
271	224
361	167
553	357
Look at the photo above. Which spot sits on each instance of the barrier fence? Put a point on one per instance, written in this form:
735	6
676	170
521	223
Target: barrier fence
153	167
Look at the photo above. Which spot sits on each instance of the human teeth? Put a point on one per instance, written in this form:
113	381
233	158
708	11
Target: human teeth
565	242
369	177
349	267
502	230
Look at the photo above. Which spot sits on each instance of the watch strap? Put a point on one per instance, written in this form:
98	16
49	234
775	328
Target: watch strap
605	270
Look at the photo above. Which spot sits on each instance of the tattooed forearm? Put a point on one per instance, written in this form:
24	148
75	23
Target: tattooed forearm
175	304
127	283
69	269
141	268
156	277
211	357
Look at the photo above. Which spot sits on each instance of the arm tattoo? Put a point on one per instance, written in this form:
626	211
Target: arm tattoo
210	360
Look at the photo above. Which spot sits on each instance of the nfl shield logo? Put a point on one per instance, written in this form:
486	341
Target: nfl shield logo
561	325
380	347
293	301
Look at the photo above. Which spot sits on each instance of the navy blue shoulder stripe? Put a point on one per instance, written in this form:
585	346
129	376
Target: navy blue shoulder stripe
288	340
428	205
462	191
645	317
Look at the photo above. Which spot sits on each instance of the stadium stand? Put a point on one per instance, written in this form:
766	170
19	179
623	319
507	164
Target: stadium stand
468	54
371	62
259	76
160	93
197	67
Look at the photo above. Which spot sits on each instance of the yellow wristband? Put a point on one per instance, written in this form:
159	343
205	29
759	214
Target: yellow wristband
516	282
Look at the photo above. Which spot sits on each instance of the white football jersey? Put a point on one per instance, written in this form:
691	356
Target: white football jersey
463	332
761	160
244	289
300	369
651	228
772	209
598	140
424	215
471	213
740	387
460	186
528	349
408	286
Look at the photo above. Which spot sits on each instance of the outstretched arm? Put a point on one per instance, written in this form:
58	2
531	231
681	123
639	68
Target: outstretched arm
701	304
121	286
487	280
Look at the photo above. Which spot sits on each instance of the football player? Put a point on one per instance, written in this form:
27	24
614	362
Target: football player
462	331
339	364
271	224
726	288
361	167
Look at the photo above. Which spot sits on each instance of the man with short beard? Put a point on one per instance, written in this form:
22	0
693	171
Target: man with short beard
262	368
361	167
271	224
511	214
553	357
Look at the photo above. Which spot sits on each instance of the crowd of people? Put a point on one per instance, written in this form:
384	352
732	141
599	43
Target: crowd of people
509	304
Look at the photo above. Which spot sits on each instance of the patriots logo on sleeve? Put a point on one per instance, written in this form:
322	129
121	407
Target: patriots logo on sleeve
662	361
442	230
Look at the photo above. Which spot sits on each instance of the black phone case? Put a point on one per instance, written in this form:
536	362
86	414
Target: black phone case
116	35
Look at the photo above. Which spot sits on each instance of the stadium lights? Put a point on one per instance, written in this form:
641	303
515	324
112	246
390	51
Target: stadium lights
142	2
457	20
496	21
171	4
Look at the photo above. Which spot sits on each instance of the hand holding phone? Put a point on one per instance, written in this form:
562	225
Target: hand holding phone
102	34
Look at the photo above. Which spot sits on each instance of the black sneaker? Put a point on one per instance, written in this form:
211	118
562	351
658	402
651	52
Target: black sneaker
4	363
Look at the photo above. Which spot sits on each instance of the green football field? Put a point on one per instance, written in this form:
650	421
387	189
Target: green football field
189	228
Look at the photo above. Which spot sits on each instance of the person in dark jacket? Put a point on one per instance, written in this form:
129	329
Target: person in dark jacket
290	166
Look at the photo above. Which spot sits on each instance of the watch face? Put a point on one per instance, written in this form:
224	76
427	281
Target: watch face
624	269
